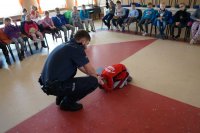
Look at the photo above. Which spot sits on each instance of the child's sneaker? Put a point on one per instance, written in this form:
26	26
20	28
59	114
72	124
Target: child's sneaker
192	41
144	34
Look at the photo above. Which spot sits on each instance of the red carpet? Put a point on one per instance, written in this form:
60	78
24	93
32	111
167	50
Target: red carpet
129	110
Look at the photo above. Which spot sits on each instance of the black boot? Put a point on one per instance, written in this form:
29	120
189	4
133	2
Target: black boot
43	44
36	45
58	100
70	106
8	60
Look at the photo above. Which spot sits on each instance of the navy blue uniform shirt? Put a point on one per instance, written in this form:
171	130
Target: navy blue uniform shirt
63	61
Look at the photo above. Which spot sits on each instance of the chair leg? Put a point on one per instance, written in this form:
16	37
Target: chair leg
102	25
136	27
185	36
155	31
53	36
151	29
94	26
30	47
10	50
46	41
60	35
25	47
167	32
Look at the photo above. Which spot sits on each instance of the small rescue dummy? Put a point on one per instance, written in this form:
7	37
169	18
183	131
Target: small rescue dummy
115	76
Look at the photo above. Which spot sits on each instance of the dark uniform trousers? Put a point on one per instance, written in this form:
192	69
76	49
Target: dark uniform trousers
72	90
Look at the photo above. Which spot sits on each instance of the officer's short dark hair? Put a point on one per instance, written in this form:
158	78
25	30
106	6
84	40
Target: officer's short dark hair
82	34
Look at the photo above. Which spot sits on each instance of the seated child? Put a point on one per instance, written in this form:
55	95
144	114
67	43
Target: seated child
32	30
115	76
13	32
132	17
146	19
76	19
84	14
119	16
162	18
181	19
48	25
63	24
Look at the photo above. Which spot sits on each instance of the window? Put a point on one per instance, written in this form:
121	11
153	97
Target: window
52	4
85	2
102	2
10	8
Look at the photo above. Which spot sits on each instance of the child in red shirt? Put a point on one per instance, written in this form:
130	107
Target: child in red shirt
32	30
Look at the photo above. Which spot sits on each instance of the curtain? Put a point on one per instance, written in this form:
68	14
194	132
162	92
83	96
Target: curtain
21	2
66	4
39	7
76	2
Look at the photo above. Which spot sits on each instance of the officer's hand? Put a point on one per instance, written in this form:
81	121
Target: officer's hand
100	81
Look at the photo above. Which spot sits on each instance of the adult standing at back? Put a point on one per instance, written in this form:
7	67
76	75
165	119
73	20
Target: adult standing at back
106	19
57	77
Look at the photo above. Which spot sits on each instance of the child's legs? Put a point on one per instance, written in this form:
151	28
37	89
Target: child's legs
197	35
16	44
86	24
40	35
109	18
141	24
164	25
79	25
130	20
91	23
33	35
120	21
72	28
21	41
114	22
159	25
105	18
64	29
195	25
146	23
